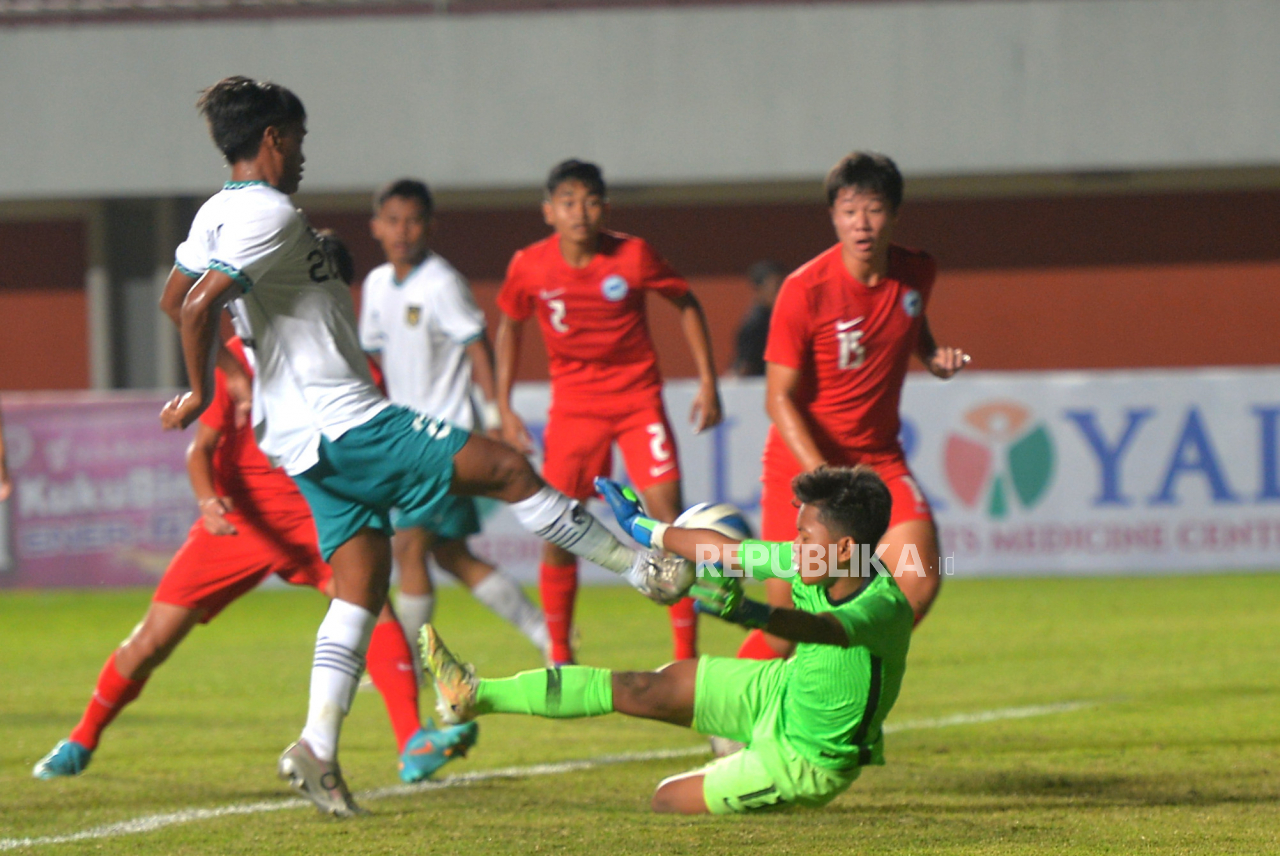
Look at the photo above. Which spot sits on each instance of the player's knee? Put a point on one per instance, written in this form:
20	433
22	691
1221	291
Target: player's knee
513	475
641	693
680	794
664	802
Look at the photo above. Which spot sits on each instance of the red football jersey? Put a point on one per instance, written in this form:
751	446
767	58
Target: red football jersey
593	319
240	470
851	344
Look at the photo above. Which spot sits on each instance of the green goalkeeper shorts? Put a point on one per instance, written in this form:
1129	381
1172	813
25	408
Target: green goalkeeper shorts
742	700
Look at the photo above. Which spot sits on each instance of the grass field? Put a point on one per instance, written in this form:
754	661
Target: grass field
1178	752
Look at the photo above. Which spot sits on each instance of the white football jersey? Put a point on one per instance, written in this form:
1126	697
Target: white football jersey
295	313
422	327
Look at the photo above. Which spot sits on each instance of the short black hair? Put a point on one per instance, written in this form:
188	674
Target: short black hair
850	500
760	272
576	170
869	172
405	188
240	110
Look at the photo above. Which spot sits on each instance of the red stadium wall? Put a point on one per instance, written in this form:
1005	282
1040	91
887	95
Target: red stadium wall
1112	317
44	332
1173	279
1158	279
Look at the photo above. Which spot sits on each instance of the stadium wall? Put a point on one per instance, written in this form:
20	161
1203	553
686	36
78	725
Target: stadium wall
1100	281
727	94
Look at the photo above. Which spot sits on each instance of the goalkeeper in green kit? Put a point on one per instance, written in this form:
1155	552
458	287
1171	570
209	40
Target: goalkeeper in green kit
810	723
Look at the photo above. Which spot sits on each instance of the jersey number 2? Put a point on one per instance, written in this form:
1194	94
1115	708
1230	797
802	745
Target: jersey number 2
557	316
658	447
319	271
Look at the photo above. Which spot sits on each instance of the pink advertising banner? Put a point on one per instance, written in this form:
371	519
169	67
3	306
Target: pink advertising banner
101	496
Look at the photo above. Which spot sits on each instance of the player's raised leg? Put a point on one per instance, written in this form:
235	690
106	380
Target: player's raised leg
121	681
565	692
488	468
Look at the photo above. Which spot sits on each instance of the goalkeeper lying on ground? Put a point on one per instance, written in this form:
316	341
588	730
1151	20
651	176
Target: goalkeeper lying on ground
810	723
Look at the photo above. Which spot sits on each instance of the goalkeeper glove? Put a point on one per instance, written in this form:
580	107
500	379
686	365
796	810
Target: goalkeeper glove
723	597
630	513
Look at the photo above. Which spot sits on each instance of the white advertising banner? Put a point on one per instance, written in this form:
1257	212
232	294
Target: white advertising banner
1030	472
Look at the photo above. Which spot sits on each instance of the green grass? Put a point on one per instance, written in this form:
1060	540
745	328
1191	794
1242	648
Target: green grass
1180	755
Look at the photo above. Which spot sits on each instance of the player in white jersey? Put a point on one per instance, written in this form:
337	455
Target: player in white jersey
420	320
316	412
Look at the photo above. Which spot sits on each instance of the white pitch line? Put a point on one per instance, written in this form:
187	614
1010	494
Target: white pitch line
152	822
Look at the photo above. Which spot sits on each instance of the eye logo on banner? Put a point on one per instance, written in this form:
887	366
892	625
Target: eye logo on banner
998	456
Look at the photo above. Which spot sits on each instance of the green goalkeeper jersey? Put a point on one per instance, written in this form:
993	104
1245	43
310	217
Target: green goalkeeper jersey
836	699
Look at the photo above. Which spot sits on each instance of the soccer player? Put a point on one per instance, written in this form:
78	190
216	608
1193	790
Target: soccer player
587	287
316	412
253	524
418	317
844	326
810	723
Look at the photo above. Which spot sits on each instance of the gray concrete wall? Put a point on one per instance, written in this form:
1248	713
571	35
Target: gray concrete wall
665	95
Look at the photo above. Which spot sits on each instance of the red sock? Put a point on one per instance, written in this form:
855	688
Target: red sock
558	585
110	696
684	629
756	648
390	664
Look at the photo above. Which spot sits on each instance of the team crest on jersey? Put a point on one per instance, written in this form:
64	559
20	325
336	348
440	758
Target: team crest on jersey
912	303
412	315
614	288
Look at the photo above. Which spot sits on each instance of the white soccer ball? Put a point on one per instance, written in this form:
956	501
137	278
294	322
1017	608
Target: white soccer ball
718	517
671	576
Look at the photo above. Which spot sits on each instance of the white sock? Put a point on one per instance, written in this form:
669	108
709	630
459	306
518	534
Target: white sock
415	611
341	643
505	597
556	518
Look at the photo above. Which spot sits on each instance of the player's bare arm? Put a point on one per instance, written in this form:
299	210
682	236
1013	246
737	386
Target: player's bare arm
483	375
239	384
213	508
941	362
507	352
780	387
706	410
199	326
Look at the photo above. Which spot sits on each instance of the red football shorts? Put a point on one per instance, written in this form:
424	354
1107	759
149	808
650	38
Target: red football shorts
579	447
778	509
210	571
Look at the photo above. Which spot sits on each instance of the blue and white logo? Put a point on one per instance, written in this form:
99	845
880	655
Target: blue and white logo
614	288
912	303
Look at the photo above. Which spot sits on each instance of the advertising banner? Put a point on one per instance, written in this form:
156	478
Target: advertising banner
1028	473
1149	471
100	492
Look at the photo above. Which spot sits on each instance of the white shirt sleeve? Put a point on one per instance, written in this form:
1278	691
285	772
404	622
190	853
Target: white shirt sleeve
192	255
455	310
373	336
246	246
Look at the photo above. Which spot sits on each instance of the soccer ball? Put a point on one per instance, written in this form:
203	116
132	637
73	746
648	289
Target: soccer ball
668	576
718	517
665	577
